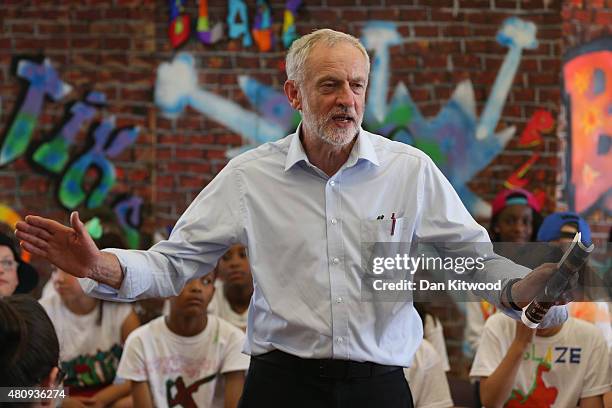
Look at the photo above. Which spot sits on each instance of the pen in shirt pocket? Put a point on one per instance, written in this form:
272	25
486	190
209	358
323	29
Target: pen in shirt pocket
392	223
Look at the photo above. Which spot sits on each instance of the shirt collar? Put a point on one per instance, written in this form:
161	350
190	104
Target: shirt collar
363	149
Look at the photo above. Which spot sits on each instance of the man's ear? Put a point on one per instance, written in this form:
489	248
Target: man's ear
293	94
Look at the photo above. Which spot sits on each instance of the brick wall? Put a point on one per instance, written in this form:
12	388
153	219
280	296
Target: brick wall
116	46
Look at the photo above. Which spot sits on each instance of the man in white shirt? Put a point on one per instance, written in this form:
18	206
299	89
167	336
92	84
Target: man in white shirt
303	206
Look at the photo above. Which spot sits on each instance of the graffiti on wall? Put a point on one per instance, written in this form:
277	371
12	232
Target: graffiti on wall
262	33
128	211
206	34
587	86
177	87
42	80
454	133
541	122
52	155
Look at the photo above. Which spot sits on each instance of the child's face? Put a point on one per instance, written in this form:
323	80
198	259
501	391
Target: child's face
233	267
195	296
515	224
66	285
8	272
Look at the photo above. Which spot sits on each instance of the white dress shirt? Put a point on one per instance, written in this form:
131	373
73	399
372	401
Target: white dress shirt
304	231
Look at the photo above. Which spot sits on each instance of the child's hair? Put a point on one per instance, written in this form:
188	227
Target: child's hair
29	348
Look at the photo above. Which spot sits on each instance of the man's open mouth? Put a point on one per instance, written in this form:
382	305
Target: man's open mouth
342	118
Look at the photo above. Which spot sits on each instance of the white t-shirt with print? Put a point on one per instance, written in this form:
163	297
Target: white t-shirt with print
182	370
555	371
220	307
434	333
427	379
89	352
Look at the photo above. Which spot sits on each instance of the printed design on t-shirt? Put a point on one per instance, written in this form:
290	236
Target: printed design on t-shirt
177	394
539	395
92	370
487	309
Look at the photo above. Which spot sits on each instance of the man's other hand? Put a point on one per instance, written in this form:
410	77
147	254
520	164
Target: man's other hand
70	249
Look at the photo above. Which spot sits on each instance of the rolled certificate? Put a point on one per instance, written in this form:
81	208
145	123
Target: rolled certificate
573	259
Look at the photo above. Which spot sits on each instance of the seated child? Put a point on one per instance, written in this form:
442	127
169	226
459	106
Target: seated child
176	360
558	367
91	334
515	218
233	294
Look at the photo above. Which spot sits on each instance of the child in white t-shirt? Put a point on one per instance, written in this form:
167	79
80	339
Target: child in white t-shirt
558	367
234	289
427	379
91	333
176	360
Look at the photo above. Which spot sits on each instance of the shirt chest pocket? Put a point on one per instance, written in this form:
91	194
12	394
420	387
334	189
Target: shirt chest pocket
383	238
385	230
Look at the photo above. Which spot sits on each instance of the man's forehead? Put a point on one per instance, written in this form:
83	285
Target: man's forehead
339	56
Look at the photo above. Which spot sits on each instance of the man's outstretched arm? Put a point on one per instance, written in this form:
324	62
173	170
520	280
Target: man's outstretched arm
69	248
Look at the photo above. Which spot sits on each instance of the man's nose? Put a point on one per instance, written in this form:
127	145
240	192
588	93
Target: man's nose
345	96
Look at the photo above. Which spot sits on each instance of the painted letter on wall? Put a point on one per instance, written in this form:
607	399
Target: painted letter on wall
587	79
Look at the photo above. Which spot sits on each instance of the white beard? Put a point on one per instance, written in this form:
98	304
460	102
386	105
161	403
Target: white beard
324	128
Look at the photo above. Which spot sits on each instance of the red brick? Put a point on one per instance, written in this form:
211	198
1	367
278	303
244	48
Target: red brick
215	154
443	15
463	61
384	14
426	31
455	31
229	139
544	79
412	14
53	28
193	182
184	153
86	43
117	43
478	46
553	95
22	28
434	61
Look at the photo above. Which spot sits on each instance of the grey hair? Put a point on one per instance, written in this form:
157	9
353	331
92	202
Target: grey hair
295	62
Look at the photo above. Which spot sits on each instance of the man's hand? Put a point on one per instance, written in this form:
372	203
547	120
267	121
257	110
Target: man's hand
70	249
525	290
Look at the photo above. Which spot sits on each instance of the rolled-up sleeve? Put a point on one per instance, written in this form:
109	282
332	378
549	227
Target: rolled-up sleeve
445	222
210	225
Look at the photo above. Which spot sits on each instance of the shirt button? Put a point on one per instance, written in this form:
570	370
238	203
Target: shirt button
335	261
332	183
339	299
334	221
339	340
